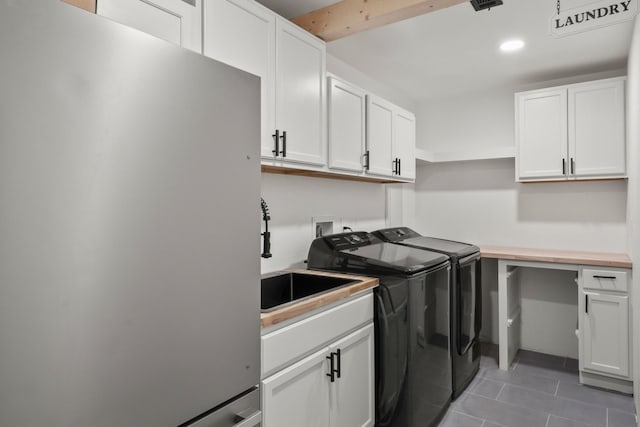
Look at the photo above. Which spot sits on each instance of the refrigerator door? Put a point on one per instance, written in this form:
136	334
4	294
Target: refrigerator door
129	224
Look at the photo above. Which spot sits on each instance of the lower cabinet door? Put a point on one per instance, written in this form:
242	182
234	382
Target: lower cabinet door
605	336
298	396
352	397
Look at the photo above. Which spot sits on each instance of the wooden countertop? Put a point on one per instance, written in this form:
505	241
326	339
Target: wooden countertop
563	257
308	304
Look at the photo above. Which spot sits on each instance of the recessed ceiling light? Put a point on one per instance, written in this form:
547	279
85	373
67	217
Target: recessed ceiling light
512	45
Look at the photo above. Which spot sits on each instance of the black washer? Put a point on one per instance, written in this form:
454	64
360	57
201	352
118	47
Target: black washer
413	361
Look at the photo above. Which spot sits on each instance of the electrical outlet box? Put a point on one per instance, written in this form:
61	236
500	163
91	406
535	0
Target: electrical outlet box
324	225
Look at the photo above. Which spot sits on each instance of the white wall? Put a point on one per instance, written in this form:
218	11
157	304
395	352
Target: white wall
468	123
480	202
477	121
633	162
358	78
294	200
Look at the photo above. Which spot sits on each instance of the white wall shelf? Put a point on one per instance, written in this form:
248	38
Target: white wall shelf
424	156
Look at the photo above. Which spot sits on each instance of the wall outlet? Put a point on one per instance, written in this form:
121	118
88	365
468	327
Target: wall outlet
325	225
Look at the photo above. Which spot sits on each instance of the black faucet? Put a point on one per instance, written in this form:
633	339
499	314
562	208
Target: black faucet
266	236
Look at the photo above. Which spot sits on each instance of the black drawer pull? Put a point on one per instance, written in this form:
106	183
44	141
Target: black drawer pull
284	143
604	277
586	303
276	137
332	368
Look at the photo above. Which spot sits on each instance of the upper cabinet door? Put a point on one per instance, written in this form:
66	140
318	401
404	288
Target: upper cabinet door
597	129
177	21
300	86
541	135
380	136
346	125
404	144
242	33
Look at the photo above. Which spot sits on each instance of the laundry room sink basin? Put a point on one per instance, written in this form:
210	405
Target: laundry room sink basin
284	288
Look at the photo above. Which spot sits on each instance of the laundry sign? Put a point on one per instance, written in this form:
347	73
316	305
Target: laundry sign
593	15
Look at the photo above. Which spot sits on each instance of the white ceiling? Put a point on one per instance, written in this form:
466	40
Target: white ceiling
455	50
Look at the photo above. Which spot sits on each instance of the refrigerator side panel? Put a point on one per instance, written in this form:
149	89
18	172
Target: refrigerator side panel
129	224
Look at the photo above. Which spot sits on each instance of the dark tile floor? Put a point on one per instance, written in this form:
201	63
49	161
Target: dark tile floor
539	390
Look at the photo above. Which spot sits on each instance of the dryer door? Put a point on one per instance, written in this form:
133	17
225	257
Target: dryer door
469	303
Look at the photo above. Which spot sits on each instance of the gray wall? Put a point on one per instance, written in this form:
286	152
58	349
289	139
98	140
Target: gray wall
633	162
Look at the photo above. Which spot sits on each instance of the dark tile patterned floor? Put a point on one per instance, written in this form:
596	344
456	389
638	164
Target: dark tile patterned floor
539	390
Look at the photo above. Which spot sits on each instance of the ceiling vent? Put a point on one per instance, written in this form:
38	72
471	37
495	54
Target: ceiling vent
485	4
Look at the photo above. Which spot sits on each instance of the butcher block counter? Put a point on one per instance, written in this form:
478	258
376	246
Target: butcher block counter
309	304
602	259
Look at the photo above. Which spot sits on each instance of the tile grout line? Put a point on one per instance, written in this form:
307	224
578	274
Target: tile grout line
557	388
607	419
548	418
500	391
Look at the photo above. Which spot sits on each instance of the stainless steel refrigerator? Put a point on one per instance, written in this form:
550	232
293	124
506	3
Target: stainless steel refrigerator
129	227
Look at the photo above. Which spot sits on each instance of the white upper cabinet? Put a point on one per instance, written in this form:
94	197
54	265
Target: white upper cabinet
391	140
346	123
300	87
177	21
571	132
291	63
596	130
242	33
404	145
541	132
379	137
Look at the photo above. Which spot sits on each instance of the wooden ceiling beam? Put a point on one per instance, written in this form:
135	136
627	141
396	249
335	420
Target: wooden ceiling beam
348	17
88	5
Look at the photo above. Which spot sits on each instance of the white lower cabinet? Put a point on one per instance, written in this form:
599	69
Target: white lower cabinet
606	333
333	386
351	395
605	328
309	394
298	395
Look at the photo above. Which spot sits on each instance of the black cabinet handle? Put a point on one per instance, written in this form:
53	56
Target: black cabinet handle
586	303
339	355
332	370
564	166
399	166
276	137
366	160
284	143
604	277
573	166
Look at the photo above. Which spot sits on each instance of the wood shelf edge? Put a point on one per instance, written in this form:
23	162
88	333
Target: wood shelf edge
280	170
